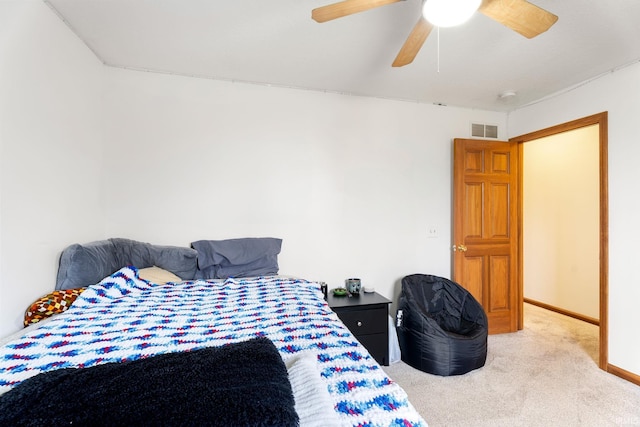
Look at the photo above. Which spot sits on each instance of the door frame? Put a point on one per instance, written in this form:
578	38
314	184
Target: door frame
600	119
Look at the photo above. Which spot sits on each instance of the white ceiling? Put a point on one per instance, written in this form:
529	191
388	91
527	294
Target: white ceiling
276	42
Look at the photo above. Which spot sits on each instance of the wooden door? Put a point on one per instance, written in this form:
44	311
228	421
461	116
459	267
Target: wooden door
485	230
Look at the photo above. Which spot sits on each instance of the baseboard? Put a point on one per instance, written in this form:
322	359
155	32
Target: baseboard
625	375
563	311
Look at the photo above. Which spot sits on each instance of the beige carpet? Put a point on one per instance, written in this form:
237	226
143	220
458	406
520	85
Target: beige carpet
544	375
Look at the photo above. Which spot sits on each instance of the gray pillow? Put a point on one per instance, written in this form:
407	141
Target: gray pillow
183	262
85	265
178	260
253	256
131	252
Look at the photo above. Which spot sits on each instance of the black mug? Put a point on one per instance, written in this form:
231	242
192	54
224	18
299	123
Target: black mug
323	288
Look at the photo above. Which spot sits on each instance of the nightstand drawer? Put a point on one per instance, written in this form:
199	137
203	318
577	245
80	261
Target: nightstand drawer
362	322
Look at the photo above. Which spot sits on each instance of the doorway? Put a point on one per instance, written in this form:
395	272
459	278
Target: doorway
560	223
599	120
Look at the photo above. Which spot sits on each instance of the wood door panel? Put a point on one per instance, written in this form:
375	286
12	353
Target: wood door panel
474	276
474	161
499	218
500	162
474	194
485	233
498	283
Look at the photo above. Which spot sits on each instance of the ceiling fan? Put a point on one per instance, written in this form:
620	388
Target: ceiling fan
519	15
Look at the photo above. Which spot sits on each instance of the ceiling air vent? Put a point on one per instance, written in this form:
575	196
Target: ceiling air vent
479	130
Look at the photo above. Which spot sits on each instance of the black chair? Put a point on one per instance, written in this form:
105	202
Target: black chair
441	327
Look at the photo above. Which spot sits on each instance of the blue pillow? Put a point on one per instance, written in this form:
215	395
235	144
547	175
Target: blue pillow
252	256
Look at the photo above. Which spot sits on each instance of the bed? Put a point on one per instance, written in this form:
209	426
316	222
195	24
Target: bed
218	330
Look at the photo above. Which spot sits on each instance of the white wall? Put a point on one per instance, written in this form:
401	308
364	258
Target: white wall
561	225
617	93
351	184
51	158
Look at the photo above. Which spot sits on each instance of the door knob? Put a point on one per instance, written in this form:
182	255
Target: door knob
461	248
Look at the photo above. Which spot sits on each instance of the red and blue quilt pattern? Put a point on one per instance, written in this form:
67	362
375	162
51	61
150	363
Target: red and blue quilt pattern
126	318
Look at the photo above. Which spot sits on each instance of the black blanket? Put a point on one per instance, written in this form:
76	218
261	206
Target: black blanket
242	384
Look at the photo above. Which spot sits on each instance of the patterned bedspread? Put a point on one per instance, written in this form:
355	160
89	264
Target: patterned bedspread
126	318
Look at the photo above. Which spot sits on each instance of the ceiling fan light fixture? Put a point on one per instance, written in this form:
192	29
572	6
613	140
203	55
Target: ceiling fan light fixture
449	13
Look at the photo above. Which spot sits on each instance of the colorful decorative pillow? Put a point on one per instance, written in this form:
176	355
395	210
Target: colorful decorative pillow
53	303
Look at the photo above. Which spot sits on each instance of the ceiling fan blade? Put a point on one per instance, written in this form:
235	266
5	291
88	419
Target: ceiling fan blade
519	15
346	7
414	42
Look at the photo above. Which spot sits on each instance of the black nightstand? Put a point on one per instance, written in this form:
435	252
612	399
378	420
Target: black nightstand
367	317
